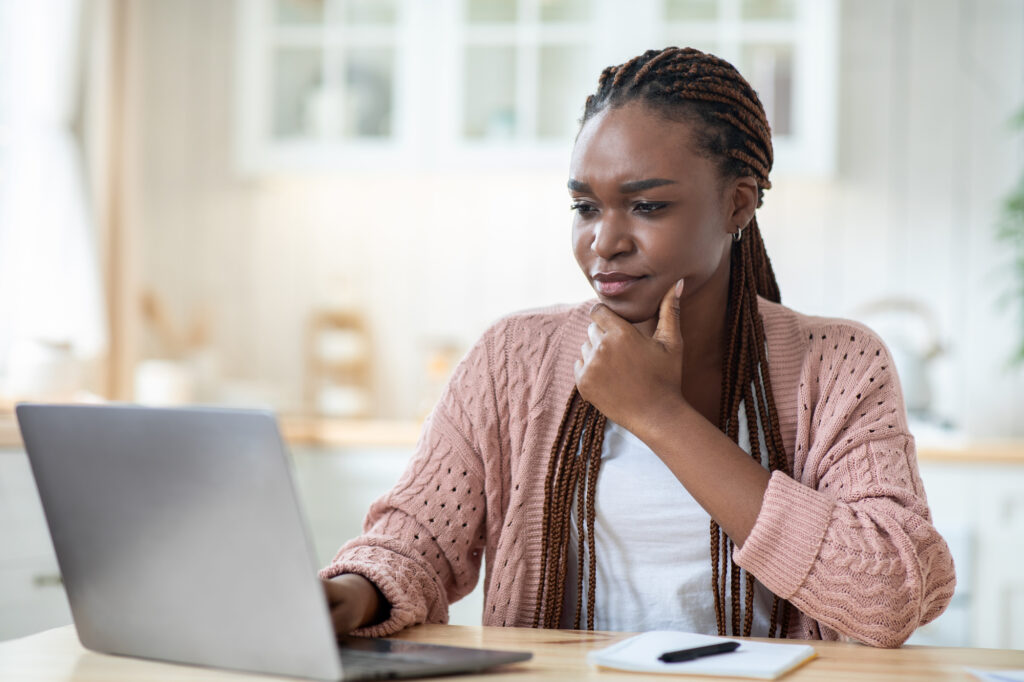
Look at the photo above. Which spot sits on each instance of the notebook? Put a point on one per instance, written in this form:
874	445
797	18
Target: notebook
180	537
762	660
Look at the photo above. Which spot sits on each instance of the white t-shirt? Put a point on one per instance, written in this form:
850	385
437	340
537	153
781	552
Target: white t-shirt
652	543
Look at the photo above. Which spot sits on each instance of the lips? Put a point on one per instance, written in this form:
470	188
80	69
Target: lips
614	283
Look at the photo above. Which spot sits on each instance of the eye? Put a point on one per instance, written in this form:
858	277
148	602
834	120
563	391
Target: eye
647	207
582	208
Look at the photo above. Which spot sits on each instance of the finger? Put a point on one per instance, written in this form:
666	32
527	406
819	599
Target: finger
586	351
668	332
594	333
606	320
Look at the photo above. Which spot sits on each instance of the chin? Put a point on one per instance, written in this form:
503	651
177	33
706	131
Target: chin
632	312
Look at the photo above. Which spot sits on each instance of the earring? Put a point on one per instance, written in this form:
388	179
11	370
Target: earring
738	234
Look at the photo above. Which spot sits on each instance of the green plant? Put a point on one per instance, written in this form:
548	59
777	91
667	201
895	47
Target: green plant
1011	232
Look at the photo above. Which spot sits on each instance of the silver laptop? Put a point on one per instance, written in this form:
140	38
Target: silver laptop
180	537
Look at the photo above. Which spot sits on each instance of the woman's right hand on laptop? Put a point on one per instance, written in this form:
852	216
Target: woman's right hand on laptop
354	602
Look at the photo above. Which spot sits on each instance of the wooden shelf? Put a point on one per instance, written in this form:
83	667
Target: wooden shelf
345	370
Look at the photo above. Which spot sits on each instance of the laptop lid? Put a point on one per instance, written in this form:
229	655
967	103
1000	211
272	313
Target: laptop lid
179	536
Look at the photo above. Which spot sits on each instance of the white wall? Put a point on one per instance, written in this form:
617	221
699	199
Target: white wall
926	87
925	157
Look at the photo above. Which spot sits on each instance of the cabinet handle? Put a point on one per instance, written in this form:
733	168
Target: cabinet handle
47	580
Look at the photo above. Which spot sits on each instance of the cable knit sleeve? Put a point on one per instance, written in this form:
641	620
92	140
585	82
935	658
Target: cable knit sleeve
422	542
848	539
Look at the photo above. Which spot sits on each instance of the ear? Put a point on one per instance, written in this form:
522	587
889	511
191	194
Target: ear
741	201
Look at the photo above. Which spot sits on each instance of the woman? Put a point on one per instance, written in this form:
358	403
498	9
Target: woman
598	454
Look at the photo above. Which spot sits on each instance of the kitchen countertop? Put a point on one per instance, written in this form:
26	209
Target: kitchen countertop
298	430
343	433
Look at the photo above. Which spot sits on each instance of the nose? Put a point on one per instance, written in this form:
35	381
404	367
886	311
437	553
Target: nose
612	236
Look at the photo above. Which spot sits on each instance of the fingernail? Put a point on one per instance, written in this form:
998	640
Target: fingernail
679	288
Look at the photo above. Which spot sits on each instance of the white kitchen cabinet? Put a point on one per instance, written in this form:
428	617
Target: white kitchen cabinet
386	84
31	595
979	509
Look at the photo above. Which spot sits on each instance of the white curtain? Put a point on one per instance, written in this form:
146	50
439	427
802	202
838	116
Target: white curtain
52	315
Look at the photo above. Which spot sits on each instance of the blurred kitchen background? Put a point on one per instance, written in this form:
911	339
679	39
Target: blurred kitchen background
317	206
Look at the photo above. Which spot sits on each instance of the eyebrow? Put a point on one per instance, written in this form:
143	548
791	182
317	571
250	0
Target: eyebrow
626	187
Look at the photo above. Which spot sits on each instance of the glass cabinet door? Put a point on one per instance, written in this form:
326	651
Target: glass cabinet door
333	68
526	68
786	49
319	77
357	83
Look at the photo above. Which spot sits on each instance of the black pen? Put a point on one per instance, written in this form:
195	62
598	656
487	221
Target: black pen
698	652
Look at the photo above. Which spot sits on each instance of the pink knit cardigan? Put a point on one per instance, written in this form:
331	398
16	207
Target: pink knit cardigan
847	539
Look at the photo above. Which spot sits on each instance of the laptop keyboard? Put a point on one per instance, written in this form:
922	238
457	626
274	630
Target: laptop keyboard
360	665
364	658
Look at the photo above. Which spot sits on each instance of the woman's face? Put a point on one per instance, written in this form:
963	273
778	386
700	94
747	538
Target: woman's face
649	210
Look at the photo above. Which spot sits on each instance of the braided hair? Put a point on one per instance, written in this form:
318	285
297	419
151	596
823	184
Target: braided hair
730	127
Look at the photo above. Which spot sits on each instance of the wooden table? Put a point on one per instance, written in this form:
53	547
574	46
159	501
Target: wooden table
558	655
